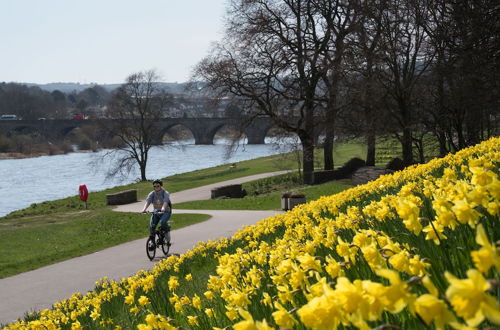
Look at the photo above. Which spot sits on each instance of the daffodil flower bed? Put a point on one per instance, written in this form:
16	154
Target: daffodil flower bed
415	249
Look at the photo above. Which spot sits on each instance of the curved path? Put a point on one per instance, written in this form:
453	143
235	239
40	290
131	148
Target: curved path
39	289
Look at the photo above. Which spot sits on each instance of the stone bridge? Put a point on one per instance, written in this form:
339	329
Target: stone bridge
203	129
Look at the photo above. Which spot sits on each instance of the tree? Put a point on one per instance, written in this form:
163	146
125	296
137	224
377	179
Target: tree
464	84
406	58
135	109
341	19
272	60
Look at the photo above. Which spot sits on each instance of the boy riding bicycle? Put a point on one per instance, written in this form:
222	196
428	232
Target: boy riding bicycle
162	209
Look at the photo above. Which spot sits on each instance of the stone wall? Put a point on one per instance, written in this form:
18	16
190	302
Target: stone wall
368	173
122	197
231	191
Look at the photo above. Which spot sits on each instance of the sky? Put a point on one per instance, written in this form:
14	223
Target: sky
104	41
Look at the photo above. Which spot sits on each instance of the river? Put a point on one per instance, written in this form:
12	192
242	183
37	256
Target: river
33	180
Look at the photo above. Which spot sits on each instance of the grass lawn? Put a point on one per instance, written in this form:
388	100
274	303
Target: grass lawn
31	242
268	201
53	231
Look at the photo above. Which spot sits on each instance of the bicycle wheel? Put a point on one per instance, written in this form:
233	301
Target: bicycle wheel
150	248
166	244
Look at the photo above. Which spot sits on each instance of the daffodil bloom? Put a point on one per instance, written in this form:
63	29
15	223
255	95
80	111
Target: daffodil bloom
193	320
95	315
143	300
266	300
397	295
488	255
209	312
354	300
282	317
346	251
469	299
129	300
373	257
400	261
434	232
248	323
333	268
308	262
231	313
144	327
432	309
239	298
417	266
189	277
323	312
209	295
465	212
151	320
196	301
76	325
481	176
173	283
409	211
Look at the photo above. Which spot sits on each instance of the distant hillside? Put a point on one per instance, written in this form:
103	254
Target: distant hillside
174	88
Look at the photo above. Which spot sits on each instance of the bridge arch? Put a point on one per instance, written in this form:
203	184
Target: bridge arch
176	132
229	132
202	128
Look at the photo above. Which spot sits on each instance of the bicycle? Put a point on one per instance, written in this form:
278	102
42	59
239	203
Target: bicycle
159	240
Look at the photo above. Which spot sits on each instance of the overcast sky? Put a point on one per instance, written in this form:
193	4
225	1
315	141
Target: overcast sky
103	41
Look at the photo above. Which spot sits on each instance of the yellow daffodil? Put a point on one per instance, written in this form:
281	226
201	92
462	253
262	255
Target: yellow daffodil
470	300
129	300
465	212
323	312
143	300
282	317
488	255
397	295
210	312
173	283
193	320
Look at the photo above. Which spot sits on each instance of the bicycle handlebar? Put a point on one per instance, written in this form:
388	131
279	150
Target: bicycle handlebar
154	212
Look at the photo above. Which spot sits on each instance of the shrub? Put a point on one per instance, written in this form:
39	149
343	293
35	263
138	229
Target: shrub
395	164
5	144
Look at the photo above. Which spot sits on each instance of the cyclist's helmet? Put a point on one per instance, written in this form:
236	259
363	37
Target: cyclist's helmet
158	181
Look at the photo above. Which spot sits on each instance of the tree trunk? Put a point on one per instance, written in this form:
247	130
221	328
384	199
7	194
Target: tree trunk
308	160
370	150
328	150
407	147
328	144
143	172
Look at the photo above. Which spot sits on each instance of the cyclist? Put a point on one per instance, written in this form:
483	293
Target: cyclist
162	209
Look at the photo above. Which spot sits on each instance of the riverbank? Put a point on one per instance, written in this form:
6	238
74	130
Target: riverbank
56	177
64	228
19	155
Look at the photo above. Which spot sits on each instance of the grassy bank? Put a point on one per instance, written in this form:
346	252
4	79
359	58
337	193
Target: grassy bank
412	250
57	230
34	241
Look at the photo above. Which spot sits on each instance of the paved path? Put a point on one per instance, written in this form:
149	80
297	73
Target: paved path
40	288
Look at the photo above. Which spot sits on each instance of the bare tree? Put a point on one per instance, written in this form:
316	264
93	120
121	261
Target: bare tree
365	67
464	86
341	19
272	61
406	58
135	109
